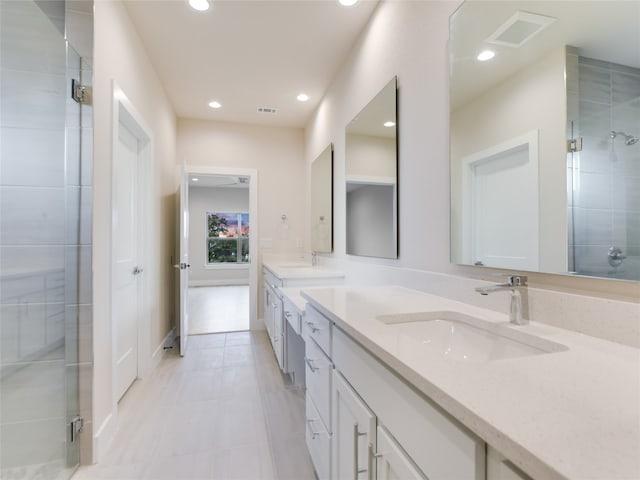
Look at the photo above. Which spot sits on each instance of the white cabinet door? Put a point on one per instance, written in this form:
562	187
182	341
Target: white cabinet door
354	430
268	309
392	461
499	468
278	336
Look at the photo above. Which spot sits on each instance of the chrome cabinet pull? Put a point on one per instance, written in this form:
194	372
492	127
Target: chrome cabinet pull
314	433
370	457
312	326
356	436
313	368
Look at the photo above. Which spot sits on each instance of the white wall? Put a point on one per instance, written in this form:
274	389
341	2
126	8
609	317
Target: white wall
213	199
409	39
120	56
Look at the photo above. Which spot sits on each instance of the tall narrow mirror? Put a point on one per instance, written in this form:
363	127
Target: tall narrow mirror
322	202
371	175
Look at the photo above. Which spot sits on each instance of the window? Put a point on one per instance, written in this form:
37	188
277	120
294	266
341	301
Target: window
227	237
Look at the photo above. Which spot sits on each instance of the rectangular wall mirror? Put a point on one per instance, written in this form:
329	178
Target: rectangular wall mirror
372	177
322	202
545	129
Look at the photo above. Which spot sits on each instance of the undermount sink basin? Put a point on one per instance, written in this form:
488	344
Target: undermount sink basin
465	338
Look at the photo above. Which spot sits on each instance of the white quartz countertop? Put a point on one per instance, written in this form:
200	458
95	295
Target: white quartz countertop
293	270
293	295
569	414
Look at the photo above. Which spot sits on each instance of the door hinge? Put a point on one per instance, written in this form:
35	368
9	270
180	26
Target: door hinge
76	427
80	93
574	145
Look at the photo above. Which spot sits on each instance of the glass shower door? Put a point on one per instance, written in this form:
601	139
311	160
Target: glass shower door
604	176
39	238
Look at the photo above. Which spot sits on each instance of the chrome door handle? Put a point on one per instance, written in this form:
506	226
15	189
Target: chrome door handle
137	270
182	266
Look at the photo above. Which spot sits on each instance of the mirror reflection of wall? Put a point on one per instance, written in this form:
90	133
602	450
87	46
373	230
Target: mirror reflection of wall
547	209
371	175
322	202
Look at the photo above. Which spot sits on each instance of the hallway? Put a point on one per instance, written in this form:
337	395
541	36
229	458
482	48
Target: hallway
222	412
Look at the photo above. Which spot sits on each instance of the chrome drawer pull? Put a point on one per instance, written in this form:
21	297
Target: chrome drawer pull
312	327
313	368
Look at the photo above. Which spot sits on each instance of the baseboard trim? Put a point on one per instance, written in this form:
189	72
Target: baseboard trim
102	438
218	283
168	341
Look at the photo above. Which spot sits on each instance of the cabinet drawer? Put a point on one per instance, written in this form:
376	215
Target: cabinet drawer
318	327
318	371
318	441
439	445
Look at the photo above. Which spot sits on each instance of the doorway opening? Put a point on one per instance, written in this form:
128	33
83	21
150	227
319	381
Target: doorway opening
222	290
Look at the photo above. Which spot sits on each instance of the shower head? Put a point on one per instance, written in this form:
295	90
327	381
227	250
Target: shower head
628	139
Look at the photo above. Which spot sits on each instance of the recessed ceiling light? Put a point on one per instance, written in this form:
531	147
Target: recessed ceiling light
347	3
215	104
303	97
389	124
194	179
200	5
486	55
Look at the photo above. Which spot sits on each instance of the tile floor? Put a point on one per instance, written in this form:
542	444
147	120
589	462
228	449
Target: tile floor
223	411
218	309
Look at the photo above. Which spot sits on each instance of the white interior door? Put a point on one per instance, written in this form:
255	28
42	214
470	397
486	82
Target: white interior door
183	263
501	205
126	269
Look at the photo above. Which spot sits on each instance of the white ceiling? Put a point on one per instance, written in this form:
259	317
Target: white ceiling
248	54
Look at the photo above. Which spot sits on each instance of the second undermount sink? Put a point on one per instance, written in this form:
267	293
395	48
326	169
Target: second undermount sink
465	338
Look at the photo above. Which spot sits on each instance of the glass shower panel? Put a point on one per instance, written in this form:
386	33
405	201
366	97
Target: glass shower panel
605	220
38	227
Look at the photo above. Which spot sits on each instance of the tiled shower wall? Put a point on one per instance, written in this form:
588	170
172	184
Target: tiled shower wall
45	237
604	179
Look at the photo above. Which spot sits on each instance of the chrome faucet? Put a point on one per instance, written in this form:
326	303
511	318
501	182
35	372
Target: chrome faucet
314	259
516	285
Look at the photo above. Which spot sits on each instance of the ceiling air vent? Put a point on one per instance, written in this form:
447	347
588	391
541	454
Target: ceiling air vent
519	29
270	110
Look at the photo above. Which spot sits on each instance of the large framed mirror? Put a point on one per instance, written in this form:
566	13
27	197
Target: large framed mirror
322	202
371	165
545	129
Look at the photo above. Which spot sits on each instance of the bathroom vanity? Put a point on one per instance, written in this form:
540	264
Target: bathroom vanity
404	384
283	309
